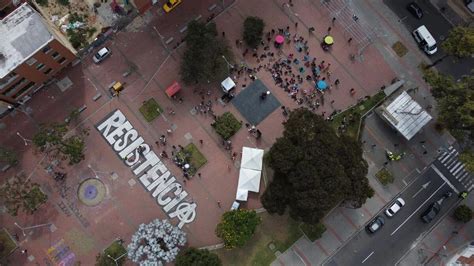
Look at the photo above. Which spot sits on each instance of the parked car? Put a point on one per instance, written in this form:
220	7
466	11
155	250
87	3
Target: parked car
429	214
395	207
470	5
415	10
375	224
425	40
101	55
170	5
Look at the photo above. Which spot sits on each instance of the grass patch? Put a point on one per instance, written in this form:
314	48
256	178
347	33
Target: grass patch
115	250
8	245
353	115
226	125
384	176
278	231
313	232
150	109
399	49
193	156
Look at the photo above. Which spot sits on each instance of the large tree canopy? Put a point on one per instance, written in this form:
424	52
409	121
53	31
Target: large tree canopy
237	227
314	169
253	31
460	42
197	257
203	59
455	101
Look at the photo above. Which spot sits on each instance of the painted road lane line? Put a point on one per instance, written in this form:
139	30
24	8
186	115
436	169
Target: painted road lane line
367	257
417	209
444	178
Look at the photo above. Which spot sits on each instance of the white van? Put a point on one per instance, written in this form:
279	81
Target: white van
425	40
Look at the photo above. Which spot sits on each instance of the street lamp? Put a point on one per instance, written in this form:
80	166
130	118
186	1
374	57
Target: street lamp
162	39
229	65
115	260
25	140
30	227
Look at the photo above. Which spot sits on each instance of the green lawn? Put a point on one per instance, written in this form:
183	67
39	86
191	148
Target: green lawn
196	159
281	231
354	115
384	176
150	109
8	244
226	125
115	250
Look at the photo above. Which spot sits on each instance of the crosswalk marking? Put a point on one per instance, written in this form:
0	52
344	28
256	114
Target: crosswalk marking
450	159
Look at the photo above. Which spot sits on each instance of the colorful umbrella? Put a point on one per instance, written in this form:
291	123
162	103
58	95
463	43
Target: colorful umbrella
322	85
279	39
329	40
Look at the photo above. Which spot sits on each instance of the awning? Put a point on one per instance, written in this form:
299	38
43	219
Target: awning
227	84
251	158
173	89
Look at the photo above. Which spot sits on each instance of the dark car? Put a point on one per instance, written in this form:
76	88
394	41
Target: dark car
415	10
375	224
430	213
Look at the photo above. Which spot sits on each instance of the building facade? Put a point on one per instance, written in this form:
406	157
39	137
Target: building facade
31	53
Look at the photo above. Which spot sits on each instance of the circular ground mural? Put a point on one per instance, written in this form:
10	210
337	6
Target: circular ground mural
91	192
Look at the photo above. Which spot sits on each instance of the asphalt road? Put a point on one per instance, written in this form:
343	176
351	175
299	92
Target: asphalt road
395	238
439	28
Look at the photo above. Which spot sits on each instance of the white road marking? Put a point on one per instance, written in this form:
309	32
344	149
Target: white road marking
368	257
417	209
444	178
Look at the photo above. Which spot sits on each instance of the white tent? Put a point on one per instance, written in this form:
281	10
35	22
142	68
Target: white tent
242	194
227	85
249	180
252	158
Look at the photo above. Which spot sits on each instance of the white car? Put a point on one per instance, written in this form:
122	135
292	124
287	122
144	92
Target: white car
101	55
396	206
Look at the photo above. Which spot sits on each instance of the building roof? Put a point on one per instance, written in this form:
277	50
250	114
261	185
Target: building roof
405	115
23	33
464	257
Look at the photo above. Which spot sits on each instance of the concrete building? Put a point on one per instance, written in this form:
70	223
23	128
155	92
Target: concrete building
31	53
7	6
464	257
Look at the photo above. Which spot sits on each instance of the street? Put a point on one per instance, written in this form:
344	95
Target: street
386	246
439	28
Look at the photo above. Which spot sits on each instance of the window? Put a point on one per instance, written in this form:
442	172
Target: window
55	55
47	71
14	86
46	49
31	61
40	66
27	87
62	60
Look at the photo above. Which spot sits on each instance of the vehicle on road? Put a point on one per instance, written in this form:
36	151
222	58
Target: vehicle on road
429	214
170	5
415	10
375	224
396	206
101	55
425	40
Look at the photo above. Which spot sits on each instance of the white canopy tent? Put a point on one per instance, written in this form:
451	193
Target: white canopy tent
227	85
252	158
250	172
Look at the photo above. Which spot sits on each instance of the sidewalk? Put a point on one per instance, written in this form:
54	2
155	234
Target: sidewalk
443	242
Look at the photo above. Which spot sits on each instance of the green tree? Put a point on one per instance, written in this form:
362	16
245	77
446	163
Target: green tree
455	100
237	227
205	57
53	139
8	156
197	257
17	194
314	169
463	213
253	31
460	42
467	157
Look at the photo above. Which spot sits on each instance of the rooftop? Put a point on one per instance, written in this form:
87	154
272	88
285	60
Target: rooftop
405	115
23	33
